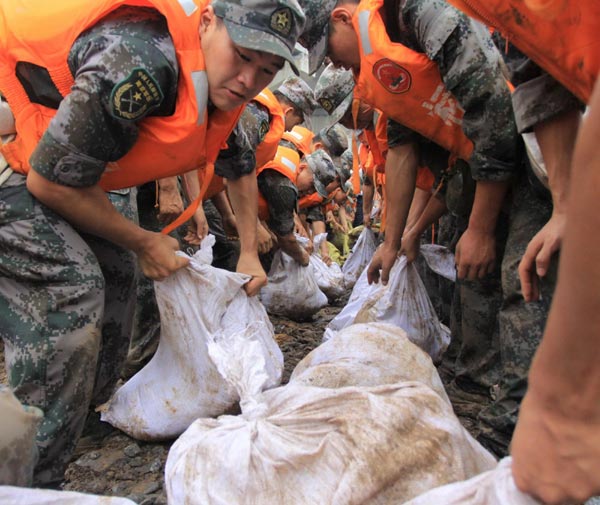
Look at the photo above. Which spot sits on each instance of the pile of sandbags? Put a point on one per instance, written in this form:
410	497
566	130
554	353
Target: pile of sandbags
307	445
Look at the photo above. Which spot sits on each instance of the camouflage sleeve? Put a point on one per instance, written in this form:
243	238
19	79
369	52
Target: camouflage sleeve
470	67
239	157
537	96
125	69
314	214
282	197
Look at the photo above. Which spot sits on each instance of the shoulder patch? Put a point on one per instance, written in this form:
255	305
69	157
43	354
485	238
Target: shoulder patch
135	96
263	129
393	77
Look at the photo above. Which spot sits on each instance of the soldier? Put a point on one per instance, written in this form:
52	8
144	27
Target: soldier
140	94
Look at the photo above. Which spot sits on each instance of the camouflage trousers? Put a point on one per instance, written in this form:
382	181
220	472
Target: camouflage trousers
66	309
521	324
475	350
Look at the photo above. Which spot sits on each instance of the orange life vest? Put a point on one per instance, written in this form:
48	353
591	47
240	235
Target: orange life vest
301	137
267	149
286	162
43	33
559	35
405	84
312	200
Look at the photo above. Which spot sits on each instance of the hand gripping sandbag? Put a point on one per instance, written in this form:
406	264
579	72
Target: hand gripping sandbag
495	487
10	495
403	302
359	257
292	289
330	278
368	355
300	445
201	308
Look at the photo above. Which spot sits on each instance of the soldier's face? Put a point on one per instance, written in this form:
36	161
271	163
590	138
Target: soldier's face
235	74
342	46
305	180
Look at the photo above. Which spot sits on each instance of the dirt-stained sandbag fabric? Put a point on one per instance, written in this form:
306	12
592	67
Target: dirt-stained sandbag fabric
18	451
359	257
330	278
292	290
367	355
403	302
22	496
206	318
301	445
495	487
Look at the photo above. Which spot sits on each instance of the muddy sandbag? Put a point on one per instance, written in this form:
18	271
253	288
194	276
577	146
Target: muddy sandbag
359	257
204	314
367	355
301	445
292	290
495	487
330	278
18	431
23	496
403	302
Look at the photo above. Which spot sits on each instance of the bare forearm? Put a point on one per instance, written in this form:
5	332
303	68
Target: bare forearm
434	209
489	197
420	200
556	138
368	193
401	173
243	193
566	364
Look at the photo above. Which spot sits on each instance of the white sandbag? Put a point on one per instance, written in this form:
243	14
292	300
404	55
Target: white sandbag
292	290
300	445
496	487
359	257
367	355
330	278
202	309
10	495
440	259
403	302
17	440
361	291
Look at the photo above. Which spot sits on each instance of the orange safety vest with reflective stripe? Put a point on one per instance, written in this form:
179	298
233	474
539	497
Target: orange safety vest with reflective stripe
267	149
301	137
286	162
559	35
405	84
44	32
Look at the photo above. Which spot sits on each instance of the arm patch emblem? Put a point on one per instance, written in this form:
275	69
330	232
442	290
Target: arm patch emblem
135	96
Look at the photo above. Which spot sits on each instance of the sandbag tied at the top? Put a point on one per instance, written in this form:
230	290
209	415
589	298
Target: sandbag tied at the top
212	333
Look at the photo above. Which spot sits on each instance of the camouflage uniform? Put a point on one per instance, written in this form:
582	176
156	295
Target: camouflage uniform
66	297
537	97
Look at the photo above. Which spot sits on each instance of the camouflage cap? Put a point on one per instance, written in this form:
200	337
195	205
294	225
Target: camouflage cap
323	170
271	26
316	32
300	94
335	139
346	164
333	91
